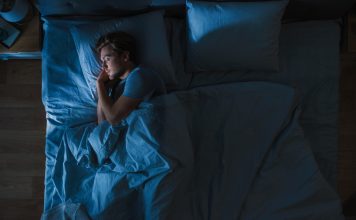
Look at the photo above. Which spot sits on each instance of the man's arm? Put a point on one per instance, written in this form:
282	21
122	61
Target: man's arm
100	114
115	112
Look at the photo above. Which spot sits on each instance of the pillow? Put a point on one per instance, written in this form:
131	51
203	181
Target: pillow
149	31
90	7
226	36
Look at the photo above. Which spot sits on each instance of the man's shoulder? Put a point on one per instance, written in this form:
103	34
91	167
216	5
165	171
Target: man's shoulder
143	69
143	72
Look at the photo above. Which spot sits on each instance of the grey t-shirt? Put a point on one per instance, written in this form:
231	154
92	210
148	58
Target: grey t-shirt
141	83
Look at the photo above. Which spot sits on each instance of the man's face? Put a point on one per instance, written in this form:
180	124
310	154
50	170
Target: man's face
113	63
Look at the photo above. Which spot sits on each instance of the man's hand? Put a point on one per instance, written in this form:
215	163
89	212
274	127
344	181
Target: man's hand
100	82
103	77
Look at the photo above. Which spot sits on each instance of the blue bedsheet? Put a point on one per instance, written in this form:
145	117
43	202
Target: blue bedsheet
234	151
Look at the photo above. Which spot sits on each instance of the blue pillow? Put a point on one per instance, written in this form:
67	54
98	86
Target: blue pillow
149	31
227	36
90	7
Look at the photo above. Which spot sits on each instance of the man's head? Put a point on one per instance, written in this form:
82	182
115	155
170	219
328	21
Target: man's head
117	51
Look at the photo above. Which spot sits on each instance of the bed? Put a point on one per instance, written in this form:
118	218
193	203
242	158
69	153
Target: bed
241	140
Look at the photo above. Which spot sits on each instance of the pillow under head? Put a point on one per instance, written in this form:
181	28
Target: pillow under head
152	46
228	36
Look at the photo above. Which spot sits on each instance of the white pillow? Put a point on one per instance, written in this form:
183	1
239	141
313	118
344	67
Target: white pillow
227	36
149	31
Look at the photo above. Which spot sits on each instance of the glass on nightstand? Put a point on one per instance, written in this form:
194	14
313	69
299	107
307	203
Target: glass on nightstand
8	34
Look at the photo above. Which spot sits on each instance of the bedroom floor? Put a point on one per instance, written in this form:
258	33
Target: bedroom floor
347	152
22	135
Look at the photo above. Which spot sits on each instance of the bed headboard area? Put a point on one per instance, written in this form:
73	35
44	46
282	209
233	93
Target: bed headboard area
89	7
296	9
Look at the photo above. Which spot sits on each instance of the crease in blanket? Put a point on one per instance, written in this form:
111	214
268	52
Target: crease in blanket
67	210
98	167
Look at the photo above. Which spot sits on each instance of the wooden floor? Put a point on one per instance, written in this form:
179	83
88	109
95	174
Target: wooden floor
22	136
22	140
347	152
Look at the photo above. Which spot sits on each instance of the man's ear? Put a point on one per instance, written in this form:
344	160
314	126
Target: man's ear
126	56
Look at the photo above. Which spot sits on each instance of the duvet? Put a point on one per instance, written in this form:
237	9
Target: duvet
230	151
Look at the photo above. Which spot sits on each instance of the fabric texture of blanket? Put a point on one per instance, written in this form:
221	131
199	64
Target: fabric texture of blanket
232	151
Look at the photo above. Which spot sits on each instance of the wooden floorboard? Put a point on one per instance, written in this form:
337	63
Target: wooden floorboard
25	118
16	188
22	72
347	132
34	141
22	164
20	209
22	135
19	96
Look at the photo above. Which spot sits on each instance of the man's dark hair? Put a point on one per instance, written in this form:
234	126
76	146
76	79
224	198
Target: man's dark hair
120	41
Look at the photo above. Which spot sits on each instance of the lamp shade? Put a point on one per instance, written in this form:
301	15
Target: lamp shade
18	12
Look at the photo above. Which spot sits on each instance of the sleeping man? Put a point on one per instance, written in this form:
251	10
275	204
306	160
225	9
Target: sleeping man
122	83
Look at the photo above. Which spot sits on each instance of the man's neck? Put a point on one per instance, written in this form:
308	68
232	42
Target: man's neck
130	67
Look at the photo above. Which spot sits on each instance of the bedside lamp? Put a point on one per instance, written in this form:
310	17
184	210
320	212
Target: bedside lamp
15	11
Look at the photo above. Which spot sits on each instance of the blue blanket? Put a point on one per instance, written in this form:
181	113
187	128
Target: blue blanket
233	151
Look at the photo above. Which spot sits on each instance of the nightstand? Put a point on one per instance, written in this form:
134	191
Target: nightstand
28	45
350	208
351	30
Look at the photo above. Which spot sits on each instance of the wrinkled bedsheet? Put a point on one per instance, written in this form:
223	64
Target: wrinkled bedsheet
234	151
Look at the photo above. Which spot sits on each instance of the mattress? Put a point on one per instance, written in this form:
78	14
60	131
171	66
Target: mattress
309	62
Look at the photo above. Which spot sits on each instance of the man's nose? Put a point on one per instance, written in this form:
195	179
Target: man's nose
105	65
